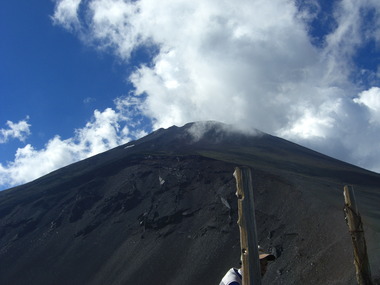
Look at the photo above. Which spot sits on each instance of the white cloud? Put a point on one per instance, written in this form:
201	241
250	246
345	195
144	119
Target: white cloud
66	13
251	63
248	63
371	100
18	131
106	130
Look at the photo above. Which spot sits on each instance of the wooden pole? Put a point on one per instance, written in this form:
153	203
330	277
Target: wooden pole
251	273
355	226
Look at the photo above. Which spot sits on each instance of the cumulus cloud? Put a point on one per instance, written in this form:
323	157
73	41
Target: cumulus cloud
252	64
255	64
106	130
20	131
66	14
371	100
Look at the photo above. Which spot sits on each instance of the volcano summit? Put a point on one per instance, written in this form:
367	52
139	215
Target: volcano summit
162	210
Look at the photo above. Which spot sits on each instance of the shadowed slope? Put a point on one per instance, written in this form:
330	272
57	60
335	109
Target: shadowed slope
162	210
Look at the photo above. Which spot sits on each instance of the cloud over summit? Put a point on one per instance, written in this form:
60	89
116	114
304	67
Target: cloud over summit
289	68
256	64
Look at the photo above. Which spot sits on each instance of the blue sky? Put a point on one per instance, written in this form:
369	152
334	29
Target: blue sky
80	77
49	75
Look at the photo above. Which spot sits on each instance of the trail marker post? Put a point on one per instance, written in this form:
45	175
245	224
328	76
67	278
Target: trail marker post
251	272
355	227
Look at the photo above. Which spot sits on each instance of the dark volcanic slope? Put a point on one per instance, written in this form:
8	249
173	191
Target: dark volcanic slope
162	210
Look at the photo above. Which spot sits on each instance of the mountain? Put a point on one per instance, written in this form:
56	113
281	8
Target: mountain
162	210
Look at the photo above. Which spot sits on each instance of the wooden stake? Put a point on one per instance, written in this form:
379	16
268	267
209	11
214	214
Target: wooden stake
251	273
355	226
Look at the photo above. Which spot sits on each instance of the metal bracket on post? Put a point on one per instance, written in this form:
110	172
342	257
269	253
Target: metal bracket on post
251	272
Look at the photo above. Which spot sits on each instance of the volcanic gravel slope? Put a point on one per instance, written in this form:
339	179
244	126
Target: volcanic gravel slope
162	210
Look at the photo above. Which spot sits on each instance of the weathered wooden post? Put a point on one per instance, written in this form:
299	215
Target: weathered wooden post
355	226
251	273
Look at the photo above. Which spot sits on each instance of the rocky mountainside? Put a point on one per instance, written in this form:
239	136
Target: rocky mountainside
162	210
